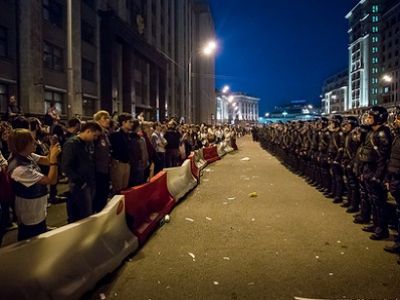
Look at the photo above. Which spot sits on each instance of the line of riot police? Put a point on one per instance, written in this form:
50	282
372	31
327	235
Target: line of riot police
353	160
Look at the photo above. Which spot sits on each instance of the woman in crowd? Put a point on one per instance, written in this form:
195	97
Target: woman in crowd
29	183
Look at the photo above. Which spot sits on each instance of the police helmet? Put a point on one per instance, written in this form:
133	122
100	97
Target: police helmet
379	113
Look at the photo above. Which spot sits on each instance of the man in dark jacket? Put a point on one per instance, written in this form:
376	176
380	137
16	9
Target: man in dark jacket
102	155
120	145
79	166
173	138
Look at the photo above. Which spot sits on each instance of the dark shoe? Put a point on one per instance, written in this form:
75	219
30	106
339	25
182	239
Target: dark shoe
337	200
329	195
360	220
393	249
381	235
352	210
371	228
345	204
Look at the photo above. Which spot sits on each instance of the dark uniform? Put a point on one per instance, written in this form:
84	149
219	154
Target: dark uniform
374	155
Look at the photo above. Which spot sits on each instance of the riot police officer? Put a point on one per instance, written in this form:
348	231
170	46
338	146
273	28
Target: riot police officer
335	151
393	174
374	154
351	144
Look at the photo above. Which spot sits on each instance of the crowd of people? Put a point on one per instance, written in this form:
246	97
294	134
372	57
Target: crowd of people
354	160
97	158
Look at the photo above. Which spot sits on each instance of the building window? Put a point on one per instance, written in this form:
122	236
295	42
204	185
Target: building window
375	19
375	60
55	97
375	9
90	3
374	39
87	32
88	107
53	12
374	80
53	57
3	41
374	70
87	70
375	29
3	97
375	49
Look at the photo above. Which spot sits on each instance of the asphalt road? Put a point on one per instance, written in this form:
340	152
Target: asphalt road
288	242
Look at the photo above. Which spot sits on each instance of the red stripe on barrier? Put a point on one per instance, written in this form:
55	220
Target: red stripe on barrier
211	154
193	167
146	205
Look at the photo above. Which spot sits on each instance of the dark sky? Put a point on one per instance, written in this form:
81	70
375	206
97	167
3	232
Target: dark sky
280	50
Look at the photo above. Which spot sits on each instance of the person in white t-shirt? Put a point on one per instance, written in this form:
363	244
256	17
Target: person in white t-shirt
29	184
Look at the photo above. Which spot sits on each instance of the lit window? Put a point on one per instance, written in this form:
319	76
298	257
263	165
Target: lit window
375	39
375	60
375	49
375	9
374	70
375	19
53	97
375	29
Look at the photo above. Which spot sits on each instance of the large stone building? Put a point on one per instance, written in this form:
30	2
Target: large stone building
237	107
335	93
119	55
373	52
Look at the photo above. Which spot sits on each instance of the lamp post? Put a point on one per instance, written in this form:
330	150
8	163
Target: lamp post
207	50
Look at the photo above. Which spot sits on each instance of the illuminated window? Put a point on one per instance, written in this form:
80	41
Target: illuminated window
375	60
375	29
374	70
375	19
374	80
375	49
375	39
375	9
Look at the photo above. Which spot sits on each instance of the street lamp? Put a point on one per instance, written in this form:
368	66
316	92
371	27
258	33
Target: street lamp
387	78
225	89
207	50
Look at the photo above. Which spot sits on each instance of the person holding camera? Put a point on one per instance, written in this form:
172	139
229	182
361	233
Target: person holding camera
29	183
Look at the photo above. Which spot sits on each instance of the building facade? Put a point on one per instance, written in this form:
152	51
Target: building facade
372	24
335	93
118	55
237	107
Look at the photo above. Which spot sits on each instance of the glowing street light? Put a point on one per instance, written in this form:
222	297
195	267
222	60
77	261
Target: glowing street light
284	114
266	115
225	89
210	48
310	107
387	78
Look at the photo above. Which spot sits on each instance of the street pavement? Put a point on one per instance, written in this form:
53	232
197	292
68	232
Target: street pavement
289	242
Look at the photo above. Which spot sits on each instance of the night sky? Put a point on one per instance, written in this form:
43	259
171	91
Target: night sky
280	50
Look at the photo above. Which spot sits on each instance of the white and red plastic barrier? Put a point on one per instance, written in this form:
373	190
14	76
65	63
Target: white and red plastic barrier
181	180
68	261
146	206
